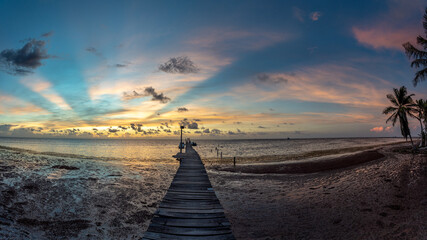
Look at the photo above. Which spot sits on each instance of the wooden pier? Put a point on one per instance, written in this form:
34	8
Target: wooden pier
190	208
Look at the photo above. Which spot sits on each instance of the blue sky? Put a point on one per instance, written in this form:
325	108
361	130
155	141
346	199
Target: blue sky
241	69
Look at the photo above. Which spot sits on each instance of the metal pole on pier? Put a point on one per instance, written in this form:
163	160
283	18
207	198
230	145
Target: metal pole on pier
180	143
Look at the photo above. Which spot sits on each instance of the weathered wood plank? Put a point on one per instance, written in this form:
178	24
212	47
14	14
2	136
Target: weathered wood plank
190	209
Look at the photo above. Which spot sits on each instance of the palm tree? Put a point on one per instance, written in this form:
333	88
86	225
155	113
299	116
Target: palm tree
402	104
418	112
419	56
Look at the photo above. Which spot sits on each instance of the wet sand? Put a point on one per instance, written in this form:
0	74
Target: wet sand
384	198
51	197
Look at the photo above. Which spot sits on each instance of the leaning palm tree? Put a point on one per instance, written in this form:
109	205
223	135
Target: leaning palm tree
419	56
402	104
418	112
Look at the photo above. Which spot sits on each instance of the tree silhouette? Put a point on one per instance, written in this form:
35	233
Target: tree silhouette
402	105
419	56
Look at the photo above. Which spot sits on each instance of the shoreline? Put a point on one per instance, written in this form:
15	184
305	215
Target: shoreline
51	197
306	166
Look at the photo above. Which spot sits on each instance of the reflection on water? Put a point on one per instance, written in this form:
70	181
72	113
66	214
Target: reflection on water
157	149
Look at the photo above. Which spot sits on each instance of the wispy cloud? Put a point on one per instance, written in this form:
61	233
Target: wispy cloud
94	51
48	34
44	88
392	28
298	14
325	83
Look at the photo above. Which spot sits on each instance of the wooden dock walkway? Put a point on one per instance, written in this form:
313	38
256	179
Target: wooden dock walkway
190	208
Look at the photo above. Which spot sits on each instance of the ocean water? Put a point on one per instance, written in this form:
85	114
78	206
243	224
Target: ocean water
161	149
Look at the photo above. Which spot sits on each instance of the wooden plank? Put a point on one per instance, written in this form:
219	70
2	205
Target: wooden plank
189	231
190	209
155	236
216	222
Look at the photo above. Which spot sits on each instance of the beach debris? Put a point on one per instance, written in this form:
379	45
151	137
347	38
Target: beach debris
65	167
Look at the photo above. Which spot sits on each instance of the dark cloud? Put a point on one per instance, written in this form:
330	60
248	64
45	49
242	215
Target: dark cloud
95	129
119	65
148	91
189	125
181	64
231	133
136	127
94	51
48	34
216	131
206	130
261	127
237	123
6	127
182	109
22	61
112	130
197	132
193	125
270	79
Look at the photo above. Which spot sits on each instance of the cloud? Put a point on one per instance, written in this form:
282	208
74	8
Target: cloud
22	61
381	129
206	130
228	40
324	83
216	131
298	14
182	109
48	34
193	125
315	15
181	64
399	24
94	51
119	65
148	91
6	127
270	78
376	129
156	97
187	124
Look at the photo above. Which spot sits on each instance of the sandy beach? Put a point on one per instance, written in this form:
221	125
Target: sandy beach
382	196
51	197
380	199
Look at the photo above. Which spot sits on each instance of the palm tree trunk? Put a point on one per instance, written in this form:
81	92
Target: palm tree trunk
412	143
423	136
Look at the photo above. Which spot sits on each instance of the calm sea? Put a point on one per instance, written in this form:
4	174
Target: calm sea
157	149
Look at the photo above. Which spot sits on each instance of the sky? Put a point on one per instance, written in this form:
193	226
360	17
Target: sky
223	69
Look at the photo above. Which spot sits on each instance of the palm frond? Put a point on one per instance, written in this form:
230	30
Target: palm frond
420	76
413	52
388	110
425	21
392	118
422	41
392	99
418	62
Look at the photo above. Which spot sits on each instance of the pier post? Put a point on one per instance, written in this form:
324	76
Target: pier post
234	161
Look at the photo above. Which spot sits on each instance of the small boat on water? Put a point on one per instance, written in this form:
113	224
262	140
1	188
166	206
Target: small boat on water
193	144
